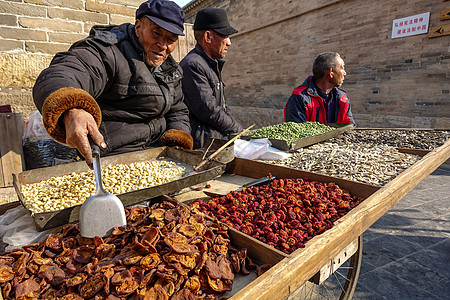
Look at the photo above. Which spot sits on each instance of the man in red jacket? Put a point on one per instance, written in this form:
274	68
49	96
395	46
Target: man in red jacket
319	98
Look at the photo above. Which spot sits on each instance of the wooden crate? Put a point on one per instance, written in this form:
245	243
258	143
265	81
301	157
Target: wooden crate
11	162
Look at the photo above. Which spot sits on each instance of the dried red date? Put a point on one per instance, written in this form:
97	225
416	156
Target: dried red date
285	213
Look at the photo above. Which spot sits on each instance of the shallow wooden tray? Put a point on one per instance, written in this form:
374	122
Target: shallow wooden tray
308	141
187	159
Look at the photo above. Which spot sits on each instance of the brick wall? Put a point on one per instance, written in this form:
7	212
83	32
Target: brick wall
402	82
32	31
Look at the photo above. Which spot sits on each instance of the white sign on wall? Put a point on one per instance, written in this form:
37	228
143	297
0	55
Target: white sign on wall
412	25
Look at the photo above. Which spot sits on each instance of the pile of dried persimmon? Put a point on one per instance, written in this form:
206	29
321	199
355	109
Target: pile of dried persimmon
165	252
284	214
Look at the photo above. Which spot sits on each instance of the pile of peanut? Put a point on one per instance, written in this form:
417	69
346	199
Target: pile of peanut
70	190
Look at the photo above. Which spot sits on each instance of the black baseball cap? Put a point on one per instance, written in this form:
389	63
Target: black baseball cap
215	19
166	14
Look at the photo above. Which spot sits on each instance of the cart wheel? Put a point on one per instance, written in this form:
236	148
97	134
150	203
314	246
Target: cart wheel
340	285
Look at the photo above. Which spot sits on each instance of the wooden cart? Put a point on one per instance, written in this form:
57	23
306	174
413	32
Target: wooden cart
340	246
287	278
292	272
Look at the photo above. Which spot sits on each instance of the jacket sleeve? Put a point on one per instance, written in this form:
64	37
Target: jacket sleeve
82	70
202	103
295	109
350	115
178	115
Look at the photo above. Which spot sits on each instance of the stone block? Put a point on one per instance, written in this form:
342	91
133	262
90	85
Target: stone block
38	47
88	25
134	3
421	122
255	115
103	7
11	45
77	15
56	25
22	9
20	99
8	20
119	19
65	37
75	4
399	121
21	70
23	34
443	123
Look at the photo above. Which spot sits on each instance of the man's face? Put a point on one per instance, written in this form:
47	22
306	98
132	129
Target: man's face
338	72
158	43
219	45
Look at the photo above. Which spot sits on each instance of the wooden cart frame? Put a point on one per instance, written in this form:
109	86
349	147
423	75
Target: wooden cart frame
292	272
285	277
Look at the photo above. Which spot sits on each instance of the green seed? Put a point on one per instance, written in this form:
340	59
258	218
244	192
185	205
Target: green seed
291	131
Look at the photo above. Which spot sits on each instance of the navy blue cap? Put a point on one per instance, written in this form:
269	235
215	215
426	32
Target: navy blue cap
215	19
166	14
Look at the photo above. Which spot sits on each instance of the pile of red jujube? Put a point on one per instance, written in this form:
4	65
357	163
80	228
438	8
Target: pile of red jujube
285	214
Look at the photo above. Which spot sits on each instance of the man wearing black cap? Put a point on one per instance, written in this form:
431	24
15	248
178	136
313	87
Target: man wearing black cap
119	87
203	87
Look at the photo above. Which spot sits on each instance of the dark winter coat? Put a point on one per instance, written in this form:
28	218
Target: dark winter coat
137	107
203	91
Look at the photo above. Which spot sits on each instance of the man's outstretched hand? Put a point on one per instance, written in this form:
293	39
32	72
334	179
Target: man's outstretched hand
80	126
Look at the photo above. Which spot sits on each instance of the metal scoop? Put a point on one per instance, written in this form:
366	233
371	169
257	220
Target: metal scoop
102	211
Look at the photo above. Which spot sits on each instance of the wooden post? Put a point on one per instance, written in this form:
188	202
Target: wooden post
11	159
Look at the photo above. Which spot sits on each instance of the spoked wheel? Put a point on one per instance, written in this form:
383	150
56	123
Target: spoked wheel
339	285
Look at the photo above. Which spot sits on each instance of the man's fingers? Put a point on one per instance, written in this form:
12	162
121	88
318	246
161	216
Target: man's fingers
97	137
84	147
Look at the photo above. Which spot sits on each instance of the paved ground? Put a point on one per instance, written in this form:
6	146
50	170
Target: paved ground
406	253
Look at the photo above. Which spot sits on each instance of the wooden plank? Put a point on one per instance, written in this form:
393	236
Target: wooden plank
2	177
445	14
255	169
11	146
335	263
439	31
20	125
261	252
295	270
400	129
419	152
8	206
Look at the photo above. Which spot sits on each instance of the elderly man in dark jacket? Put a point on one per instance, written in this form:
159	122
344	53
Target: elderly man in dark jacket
202	82
120	86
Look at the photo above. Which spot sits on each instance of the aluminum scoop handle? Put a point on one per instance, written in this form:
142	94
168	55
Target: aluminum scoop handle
99	190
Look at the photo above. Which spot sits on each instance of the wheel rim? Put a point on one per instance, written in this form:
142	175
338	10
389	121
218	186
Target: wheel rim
340	285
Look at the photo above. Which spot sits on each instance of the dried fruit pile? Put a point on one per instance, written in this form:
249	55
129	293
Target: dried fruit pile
284	214
165	252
